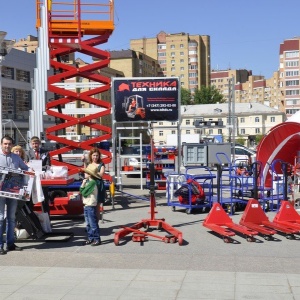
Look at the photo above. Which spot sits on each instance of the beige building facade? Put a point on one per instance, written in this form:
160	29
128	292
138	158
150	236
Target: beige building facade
251	120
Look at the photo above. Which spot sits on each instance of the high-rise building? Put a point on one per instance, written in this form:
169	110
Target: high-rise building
179	55
289	75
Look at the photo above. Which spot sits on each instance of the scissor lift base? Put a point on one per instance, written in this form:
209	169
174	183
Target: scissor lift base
173	235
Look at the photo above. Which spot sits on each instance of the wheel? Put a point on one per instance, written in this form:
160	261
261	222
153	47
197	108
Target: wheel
167	240
267	237
265	206
173	240
226	240
146	225
250	239
180	240
188	211
231	208
290	236
173	208
116	240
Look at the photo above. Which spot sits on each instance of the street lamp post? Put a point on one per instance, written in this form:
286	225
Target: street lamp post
5	47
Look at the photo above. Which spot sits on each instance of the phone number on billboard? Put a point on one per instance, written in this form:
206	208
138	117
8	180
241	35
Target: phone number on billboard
161	105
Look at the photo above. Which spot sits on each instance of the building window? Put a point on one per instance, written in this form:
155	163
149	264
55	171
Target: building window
7	72
182	61
181	46
256	120
292	63
172	54
172	46
173	123
188	132
161	46
243	131
272	119
161	133
160	123
292	54
173	132
219	131
210	131
187	122
291	82
181	53
257	130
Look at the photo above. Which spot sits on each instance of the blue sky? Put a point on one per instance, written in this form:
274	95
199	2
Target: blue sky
244	34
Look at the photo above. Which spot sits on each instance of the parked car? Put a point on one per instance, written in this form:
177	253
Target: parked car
243	154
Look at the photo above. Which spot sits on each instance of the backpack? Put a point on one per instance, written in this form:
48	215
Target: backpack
197	192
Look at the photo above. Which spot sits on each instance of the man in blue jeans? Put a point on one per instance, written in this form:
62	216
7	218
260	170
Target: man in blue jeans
13	161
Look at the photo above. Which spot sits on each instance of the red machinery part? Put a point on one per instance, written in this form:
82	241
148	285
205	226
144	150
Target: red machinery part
288	216
218	221
255	218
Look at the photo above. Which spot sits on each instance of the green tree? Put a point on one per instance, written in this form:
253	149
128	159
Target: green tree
186	97
208	95
239	140
258	138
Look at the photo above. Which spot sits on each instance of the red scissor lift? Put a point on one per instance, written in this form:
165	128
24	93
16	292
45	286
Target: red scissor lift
69	21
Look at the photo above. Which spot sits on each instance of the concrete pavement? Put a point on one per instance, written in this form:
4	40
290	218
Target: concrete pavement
204	267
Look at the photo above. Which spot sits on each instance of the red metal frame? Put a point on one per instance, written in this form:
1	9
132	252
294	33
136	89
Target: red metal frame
173	235
218	221
67	26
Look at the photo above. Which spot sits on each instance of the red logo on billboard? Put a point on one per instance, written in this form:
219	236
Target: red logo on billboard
123	87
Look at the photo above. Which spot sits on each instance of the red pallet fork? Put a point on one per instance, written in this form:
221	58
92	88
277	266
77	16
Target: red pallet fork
288	216
255	218
218	221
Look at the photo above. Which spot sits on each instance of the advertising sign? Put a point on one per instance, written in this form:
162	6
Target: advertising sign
146	99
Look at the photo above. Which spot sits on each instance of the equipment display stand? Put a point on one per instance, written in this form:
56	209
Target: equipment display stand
139	235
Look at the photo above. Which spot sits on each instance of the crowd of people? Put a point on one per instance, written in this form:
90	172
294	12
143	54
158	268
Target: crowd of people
92	189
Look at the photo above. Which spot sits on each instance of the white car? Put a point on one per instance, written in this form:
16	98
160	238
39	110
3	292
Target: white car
242	154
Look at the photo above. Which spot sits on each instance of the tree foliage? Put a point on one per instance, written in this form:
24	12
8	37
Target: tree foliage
208	95
186	97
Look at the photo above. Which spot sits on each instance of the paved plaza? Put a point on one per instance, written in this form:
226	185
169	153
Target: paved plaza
204	267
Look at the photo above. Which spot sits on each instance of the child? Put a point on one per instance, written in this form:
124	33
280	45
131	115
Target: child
89	191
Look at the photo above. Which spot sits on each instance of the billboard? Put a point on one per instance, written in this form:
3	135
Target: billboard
146	99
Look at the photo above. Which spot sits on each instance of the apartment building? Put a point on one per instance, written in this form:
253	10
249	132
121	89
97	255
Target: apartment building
289	75
28	44
16	82
250	120
134	63
179	55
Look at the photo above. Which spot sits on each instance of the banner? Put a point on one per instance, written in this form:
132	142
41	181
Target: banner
146	99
